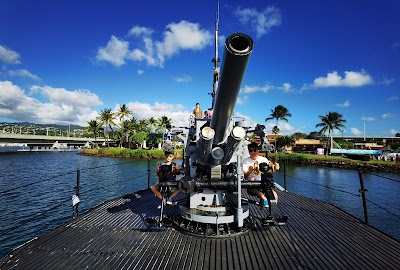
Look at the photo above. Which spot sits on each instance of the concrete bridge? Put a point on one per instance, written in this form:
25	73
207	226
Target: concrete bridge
43	140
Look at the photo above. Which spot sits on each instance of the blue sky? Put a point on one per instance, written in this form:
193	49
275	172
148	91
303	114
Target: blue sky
64	61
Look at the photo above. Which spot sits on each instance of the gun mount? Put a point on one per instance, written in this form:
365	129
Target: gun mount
212	162
213	168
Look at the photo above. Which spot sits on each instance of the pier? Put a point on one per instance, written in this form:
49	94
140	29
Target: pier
44	140
114	235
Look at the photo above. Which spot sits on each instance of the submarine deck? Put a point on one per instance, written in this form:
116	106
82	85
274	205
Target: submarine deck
114	236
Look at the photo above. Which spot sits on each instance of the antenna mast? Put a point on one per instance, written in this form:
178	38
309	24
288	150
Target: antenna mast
216	70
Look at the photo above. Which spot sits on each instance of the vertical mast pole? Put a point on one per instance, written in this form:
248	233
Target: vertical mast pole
215	60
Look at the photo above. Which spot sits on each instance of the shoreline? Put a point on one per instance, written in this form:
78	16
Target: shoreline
289	158
355	165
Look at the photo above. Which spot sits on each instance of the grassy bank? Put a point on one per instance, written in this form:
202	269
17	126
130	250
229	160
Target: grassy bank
128	153
294	158
336	161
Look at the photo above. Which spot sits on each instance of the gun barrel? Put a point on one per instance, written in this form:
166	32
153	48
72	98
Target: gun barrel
238	48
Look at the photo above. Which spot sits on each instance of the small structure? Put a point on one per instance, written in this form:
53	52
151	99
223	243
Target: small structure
306	145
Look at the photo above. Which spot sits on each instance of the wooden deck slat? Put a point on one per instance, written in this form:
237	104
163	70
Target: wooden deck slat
113	236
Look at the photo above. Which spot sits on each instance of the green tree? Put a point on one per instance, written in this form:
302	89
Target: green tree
285	141
275	130
330	122
280	112
123	112
154	139
139	137
126	128
141	126
107	118
152	122
95	128
119	137
314	135
163	122
299	135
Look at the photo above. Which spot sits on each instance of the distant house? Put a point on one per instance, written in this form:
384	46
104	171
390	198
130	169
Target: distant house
300	146
369	146
273	137
306	145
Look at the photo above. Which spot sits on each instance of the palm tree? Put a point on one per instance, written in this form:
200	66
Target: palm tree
119	137
162	124
123	112
330	122
275	130
107	118
142	125
126	128
152	122
280	112
95	127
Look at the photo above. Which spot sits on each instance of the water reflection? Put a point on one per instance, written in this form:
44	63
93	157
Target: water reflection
50	178
340	187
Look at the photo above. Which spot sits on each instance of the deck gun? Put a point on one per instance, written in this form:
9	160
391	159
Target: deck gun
214	149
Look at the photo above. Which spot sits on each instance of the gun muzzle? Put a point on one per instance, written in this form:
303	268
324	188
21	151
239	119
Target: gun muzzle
238	48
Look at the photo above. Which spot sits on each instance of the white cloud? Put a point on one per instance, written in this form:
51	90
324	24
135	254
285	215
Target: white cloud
23	73
183	79
138	31
61	106
243	117
242	100
62	96
177	37
284	127
184	35
9	56
285	87
115	52
177	112
356	131
140	72
261	22
367	118
387	115
393	98
346	104
350	79
393	131
396	47
247	89
387	81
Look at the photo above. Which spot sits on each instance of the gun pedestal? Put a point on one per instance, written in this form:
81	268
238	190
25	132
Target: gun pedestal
212	151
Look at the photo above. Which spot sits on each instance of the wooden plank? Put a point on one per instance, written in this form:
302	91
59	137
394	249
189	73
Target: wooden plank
113	236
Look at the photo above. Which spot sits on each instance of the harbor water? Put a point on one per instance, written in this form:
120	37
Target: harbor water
36	190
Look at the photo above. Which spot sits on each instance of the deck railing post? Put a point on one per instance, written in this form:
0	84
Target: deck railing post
148	173
363	191
284	175
75	199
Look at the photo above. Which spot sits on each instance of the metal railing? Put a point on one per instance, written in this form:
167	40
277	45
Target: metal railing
362	190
